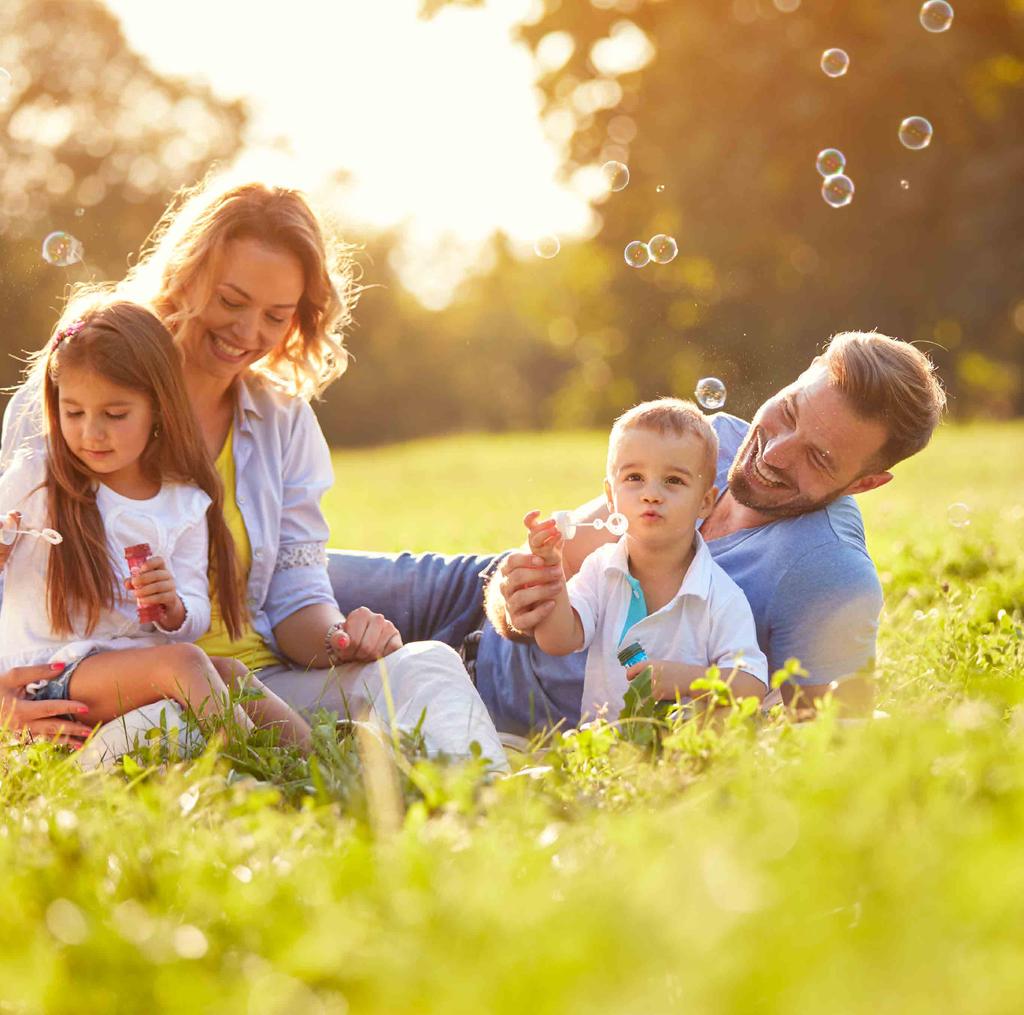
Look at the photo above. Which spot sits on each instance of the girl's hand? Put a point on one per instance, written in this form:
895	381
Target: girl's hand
39	718
154	586
11	521
545	539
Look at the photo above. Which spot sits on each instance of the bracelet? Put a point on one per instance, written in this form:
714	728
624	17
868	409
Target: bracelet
332	657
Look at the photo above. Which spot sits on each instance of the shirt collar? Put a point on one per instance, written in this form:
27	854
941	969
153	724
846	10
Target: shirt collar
246	404
696	581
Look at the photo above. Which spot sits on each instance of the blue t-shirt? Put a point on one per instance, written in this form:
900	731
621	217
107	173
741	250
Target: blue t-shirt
810	582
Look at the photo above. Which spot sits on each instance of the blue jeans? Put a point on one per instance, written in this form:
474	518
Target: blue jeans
430	597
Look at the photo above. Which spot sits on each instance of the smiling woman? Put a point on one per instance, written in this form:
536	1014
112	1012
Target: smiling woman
255	296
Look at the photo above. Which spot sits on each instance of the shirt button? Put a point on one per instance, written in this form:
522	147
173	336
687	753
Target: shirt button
257	554
241	500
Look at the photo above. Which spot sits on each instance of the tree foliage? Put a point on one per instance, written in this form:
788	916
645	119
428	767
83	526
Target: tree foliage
94	143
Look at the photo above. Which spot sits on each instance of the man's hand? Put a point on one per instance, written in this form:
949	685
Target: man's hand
370	636
39	718
153	585
527	588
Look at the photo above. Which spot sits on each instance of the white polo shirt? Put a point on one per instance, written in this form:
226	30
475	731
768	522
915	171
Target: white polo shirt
707	622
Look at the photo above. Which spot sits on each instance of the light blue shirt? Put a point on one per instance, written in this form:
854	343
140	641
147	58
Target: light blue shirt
282	468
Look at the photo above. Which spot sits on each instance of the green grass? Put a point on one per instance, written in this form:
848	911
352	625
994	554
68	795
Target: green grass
814	868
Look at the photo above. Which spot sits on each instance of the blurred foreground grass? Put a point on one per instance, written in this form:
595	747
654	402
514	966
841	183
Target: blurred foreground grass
778	868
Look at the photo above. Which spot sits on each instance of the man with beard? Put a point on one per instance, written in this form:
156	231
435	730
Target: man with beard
785	528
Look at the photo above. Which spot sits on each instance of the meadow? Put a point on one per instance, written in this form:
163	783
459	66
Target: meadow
754	865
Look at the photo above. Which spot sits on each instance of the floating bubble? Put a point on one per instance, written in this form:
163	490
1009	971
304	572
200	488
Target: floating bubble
959	515
547	246
662	248
660	189
835	62
904	184
79	212
62	249
837	190
637	254
6	82
710	393
915	133
937	15
831	161
616	175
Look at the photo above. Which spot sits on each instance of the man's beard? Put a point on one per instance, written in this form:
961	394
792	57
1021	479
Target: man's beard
744	492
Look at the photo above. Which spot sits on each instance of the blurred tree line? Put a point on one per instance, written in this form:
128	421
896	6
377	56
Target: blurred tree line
720	130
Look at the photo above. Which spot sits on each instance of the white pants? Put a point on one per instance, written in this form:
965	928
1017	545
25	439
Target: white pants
426	679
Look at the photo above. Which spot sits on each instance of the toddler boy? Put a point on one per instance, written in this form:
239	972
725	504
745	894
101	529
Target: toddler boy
658	585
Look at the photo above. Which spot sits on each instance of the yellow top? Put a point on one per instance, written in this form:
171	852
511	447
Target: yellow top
250	649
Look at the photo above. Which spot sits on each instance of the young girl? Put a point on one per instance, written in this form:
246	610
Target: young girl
124	465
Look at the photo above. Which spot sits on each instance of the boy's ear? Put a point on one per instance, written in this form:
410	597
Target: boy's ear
608	494
708	501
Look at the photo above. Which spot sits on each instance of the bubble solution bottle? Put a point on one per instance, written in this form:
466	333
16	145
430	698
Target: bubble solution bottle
632	654
136	556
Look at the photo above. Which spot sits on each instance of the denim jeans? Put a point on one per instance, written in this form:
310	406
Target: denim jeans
430	597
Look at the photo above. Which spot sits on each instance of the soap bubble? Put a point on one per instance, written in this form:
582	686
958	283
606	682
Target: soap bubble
62	249
79	212
547	246
915	133
959	515
710	393
5	85
662	248
835	62
837	190
637	254
937	15
904	184
831	161
660	188
616	175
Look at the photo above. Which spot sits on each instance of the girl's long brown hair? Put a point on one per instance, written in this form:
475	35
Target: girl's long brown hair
126	344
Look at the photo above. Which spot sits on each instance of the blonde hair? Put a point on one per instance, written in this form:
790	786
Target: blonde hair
125	343
669	416
890	381
180	260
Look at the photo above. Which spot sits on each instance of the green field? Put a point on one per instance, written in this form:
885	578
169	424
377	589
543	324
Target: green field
820	867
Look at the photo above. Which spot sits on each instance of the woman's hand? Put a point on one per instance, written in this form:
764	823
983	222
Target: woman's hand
153	585
39	718
370	636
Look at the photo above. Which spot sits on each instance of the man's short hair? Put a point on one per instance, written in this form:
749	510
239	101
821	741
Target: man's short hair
669	416
890	381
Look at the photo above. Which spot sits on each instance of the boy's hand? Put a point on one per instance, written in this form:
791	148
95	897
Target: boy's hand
154	586
545	540
8	538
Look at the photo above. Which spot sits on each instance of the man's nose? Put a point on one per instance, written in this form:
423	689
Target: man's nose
777	450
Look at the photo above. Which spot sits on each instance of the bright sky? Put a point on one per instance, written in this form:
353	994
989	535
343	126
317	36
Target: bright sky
436	122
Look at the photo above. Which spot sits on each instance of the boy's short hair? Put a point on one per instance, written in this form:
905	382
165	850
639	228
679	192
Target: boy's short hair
890	381
670	416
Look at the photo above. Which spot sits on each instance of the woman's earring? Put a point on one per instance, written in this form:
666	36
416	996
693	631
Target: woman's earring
156	429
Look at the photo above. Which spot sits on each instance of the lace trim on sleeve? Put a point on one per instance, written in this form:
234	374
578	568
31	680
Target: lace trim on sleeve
301	555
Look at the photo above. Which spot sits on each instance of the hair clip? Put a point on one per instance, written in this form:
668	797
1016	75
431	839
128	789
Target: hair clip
69	331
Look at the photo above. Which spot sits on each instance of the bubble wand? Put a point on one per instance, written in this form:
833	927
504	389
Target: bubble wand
617	524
